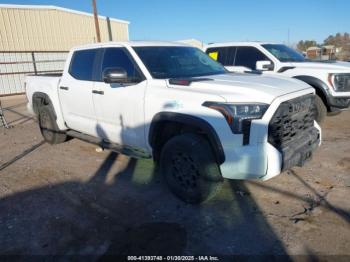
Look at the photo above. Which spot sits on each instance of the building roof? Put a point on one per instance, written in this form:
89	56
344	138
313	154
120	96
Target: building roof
311	48
52	7
188	41
192	42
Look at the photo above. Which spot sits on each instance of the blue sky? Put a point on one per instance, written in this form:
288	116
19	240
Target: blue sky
221	20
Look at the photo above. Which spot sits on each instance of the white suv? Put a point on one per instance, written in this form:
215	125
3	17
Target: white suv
330	79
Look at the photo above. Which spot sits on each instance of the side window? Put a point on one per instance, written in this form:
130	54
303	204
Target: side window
230	56
82	64
117	57
224	55
247	56
213	53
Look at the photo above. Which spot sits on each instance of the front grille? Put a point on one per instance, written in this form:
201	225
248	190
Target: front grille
292	120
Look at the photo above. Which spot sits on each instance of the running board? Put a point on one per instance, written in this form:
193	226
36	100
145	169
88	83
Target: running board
125	150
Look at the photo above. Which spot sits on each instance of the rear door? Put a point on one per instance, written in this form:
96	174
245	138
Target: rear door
75	92
246	58
237	58
120	107
225	56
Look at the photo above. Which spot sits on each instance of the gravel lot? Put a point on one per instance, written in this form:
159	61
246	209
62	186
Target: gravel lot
70	199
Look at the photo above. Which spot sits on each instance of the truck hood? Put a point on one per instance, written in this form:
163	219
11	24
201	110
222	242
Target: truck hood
246	87
330	66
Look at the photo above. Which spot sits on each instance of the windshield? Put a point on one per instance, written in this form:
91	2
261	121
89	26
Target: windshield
284	53
177	61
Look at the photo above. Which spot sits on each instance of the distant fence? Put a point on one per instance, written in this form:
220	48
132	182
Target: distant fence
15	65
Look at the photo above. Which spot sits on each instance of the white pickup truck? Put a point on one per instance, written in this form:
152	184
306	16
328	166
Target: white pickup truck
331	79
172	102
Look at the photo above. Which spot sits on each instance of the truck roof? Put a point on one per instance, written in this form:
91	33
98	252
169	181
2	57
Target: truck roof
250	43
129	43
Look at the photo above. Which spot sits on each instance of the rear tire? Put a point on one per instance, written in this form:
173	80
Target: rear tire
321	110
190	169
48	126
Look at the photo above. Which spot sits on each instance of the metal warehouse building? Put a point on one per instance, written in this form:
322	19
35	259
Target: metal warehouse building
35	39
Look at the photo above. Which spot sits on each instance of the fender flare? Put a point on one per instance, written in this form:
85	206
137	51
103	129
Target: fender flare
188	120
42	97
316	83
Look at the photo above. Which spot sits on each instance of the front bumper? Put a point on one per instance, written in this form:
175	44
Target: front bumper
261	159
300	150
264	161
337	103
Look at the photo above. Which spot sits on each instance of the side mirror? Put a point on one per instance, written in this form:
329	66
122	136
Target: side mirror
115	75
264	65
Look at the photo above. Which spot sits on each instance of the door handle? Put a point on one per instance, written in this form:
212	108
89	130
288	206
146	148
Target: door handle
64	87
97	92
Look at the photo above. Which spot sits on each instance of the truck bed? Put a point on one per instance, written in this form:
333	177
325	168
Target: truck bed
43	83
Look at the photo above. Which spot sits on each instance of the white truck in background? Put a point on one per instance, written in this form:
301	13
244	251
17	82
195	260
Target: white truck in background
172	103
331	79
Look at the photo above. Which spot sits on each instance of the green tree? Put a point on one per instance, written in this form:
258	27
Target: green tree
330	40
300	45
304	45
339	40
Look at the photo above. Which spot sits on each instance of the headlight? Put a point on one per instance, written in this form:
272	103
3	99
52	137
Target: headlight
340	82
239	116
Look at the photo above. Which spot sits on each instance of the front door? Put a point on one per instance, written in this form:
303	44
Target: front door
120	107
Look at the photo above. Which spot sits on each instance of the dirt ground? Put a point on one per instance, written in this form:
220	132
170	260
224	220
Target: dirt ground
69	199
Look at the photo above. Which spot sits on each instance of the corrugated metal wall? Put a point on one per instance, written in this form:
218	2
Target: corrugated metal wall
52	29
14	66
43	32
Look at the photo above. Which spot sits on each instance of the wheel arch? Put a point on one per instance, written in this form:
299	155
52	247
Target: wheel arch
165	125
320	87
39	99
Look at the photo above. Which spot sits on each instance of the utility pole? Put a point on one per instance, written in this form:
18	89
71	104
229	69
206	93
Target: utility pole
97	27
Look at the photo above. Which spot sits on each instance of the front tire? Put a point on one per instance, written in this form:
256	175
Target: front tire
190	168
321	110
48	126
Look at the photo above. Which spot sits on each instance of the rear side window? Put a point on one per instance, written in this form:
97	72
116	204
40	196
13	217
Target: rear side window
117	57
82	64
224	55
248	56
